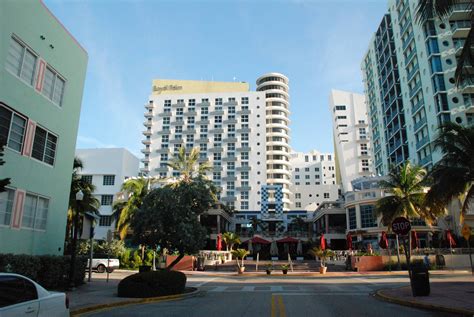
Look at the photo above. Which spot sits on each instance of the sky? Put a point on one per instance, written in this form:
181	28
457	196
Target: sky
318	45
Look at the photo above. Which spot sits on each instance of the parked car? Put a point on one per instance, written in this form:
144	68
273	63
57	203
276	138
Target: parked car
21	296
101	264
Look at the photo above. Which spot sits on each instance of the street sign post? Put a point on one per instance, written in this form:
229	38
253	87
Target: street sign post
401	226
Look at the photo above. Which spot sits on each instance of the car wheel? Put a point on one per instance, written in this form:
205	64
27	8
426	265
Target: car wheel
101	268
110	270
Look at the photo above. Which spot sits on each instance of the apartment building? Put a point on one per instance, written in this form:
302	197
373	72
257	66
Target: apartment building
351	137
42	72
107	169
410	86
313	179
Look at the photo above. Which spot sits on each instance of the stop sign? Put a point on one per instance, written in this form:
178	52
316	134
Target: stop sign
401	226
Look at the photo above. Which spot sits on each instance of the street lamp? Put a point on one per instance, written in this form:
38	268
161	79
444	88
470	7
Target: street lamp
79	197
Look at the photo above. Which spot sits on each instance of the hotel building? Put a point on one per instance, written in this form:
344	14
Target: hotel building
42	72
107	169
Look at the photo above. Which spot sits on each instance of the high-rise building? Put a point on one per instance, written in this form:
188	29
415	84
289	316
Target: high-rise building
410	86
313	179
42	72
225	120
107	169
351	137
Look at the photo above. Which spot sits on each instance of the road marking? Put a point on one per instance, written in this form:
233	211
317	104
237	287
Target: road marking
218	289
282	306
273	306
206	281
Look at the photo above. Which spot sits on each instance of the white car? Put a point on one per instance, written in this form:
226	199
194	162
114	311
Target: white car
21	296
101	265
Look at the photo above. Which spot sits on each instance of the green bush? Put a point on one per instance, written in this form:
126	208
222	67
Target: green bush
152	284
51	271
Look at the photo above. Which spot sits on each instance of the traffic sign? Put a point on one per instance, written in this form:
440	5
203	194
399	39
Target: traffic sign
466	231
401	226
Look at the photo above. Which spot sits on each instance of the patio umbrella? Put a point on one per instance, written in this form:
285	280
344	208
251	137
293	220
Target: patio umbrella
219	242
250	247
322	242
349	241
299	248
383	243
415	243
274	248
449	237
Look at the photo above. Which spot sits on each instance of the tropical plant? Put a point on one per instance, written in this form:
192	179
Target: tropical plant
453	176
187	164
323	255
406	185
5	181
429	9
135	190
240	254
230	239
256	224
285	267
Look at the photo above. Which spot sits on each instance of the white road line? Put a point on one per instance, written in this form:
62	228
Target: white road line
205	282
218	289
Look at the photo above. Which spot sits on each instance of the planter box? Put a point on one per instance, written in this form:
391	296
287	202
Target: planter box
186	263
367	263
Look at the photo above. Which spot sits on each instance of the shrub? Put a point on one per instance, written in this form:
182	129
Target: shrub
152	284
51	271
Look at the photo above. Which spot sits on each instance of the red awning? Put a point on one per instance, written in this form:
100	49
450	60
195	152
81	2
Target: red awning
259	240
288	240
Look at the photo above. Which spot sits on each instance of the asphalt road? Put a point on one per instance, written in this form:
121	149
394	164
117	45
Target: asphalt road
279	296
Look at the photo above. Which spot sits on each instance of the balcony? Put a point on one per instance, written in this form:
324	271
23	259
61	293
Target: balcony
149	105
412	72
164	114
216	149
407	41
460	28
229	178
203	104
190	113
425	161
147	133
145	160
230	140
244	130
415	89
458	46
146	151
176	141
202	140
147	123
217	113
244	149
203	121
244	111
178	105
148	114
467	85
163	132
460	11
219	130
417	106
189	131
230	121
146	141
229	159
424	141
392	148
243	168
162	169
163	150
244	188
230	103
419	124
404	27
228	198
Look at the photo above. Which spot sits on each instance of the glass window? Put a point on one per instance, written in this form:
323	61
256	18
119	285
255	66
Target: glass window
53	86
21	61
6	206
44	146
106	200
367	216
109	180
12	128
352	218
105	221
15	290
35	212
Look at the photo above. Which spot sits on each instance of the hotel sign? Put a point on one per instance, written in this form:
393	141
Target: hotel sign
159	89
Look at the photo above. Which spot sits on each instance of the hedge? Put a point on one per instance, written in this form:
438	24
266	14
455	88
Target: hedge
152	284
50	271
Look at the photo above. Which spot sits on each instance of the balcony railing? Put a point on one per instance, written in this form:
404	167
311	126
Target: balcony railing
419	124
422	142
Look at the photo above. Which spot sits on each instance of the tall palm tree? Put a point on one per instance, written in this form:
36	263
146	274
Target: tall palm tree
135	189
429	9
230	239
453	175
187	164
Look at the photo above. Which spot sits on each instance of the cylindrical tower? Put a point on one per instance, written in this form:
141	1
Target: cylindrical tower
275	86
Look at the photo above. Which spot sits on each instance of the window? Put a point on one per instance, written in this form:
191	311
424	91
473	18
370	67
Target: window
244	205
230	166
244	137
231	109
53	86
205	100
21	61
189	138
179	111
12	129
109	180
306	169
298	195
244	195
191	102
217	137
230	146
6	206
326	195
178	129
216	175
87	179
105	221
307	176
352	218
230	186
244	175
298	204
167	103
244	155
44	146
164	157
231	99
35	212
204	110
166	121
367	216
217	156
203	128
203	147
218	119
231	128
190	120
218	101
244	118
106	200
297	177
15	290
165	138
341	107
245	100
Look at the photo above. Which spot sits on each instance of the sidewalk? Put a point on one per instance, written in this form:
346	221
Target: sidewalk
453	297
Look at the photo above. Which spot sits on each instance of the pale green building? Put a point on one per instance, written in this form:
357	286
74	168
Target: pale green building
42	73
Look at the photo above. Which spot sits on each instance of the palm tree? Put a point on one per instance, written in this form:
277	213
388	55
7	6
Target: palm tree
453	175
187	164
230	239
429	9
5	181
135	189
256	223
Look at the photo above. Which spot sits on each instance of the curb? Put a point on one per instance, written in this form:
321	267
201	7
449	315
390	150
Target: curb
100	307
412	303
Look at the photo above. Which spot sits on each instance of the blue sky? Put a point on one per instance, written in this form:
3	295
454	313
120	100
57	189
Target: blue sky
317	44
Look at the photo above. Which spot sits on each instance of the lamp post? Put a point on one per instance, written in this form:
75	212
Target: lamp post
79	197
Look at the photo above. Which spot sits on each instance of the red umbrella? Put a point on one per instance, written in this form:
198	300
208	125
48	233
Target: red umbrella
288	240
349	241
449	237
260	240
219	242
383	243
415	243
323	242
